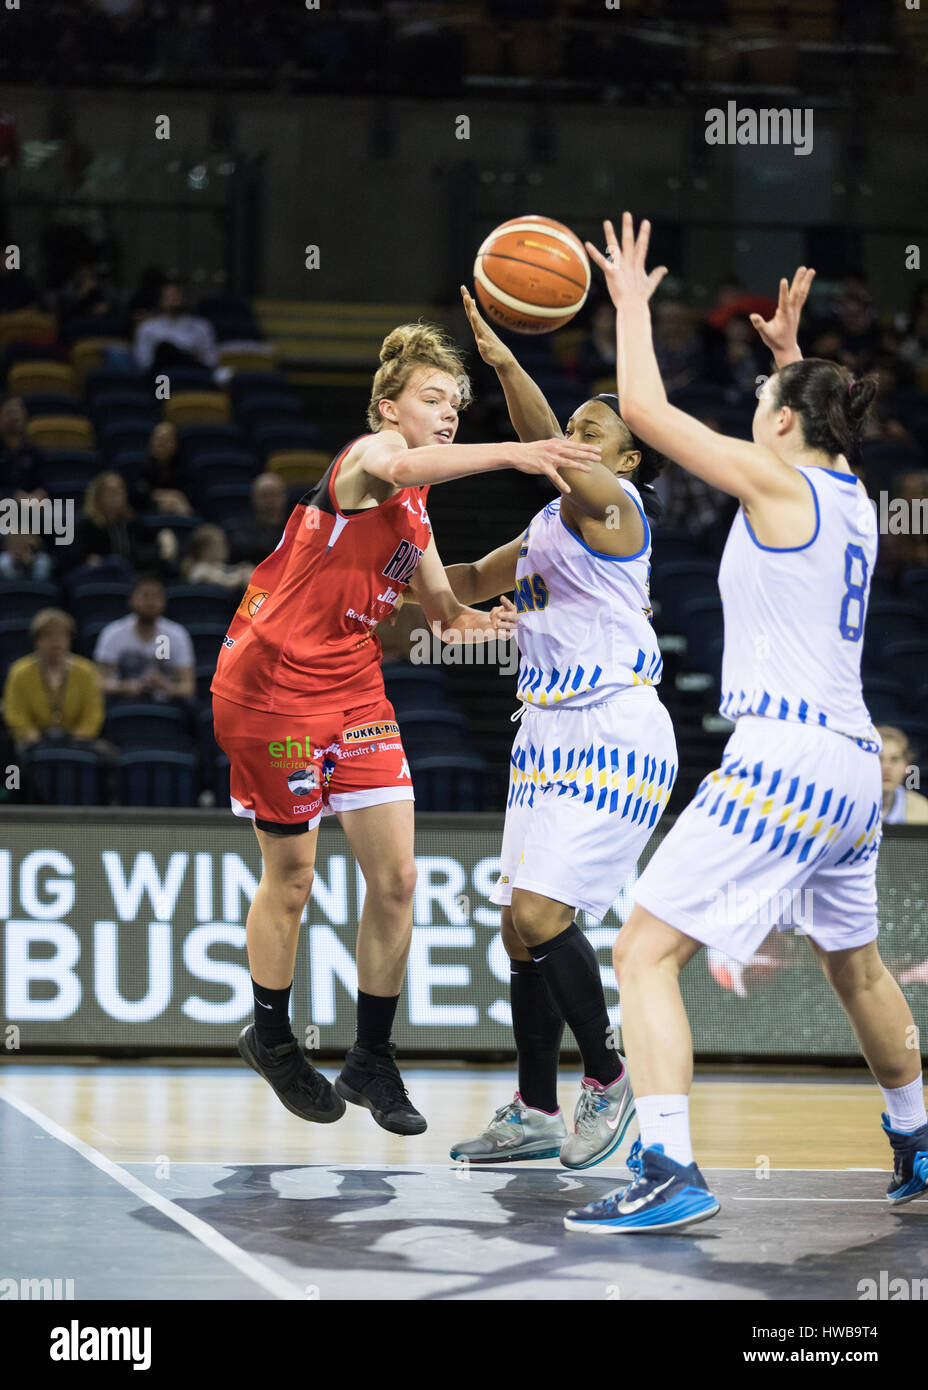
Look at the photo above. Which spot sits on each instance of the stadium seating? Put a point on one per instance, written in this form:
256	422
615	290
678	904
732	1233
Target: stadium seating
200	603
25	597
66	776
157	777
450	782
148	725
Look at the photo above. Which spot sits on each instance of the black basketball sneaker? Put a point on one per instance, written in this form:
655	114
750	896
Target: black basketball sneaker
297	1084
370	1077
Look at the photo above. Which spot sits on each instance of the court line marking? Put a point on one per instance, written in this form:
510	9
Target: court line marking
880	1201
207	1235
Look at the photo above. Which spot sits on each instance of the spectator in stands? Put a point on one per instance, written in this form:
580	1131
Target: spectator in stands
17	291
691	504
857	324
86	295
596	353
914	347
207	560
733	360
21	462
676	344
256	537
901	804
52	693
732	300
109	527
174	336
145	299
145	654
161	483
23	556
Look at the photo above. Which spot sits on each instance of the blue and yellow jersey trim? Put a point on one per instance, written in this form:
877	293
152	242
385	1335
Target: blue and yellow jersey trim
626	783
767	706
788	815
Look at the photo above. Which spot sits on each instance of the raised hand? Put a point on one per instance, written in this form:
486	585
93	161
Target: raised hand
781	332
623	268
491	348
548	455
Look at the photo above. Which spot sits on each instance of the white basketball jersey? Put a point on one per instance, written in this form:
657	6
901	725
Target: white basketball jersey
584	628
794	618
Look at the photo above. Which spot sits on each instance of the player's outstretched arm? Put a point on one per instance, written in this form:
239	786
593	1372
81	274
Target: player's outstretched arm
494	574
781	333
387	457
446	615
743	470
529	411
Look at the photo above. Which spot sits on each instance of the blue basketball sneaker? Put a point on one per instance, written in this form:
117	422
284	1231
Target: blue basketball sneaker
663	1196
910	1172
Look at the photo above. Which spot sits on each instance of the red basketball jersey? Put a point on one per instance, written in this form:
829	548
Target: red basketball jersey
303	636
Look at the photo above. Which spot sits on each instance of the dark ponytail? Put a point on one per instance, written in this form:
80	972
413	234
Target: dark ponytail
831	404
651	465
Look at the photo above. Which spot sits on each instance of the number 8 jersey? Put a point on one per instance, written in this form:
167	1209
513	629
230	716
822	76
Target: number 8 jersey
794	617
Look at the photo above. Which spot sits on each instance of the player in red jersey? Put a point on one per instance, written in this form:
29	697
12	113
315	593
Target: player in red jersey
299	706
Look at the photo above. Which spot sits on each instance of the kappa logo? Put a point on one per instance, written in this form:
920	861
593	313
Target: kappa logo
423	514
369	733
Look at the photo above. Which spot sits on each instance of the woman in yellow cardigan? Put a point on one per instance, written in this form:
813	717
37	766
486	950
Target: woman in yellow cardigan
53	691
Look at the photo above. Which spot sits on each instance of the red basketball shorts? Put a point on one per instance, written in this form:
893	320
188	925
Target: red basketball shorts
289	770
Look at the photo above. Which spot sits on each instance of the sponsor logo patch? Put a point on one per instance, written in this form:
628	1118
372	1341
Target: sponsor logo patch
303	780
368	733
252	600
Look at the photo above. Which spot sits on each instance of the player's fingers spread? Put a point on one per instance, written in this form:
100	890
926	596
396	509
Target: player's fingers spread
644	238
656	276
596	256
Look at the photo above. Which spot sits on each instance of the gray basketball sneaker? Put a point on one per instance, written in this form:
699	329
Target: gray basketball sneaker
515	1132
602	1116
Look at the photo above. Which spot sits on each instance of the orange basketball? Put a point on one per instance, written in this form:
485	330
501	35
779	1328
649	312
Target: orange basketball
531	275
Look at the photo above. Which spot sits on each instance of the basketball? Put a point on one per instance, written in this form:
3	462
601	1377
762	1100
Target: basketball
531	275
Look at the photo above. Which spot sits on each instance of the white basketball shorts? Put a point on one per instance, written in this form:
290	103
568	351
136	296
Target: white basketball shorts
785	833
587	787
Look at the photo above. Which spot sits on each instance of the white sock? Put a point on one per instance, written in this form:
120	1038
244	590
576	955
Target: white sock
905	1107
666	1120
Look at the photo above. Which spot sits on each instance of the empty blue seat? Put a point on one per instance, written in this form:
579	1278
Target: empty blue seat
118	436
23	598
200	603
269	439
204	439
915	587
148	724
112	379
52	403
189	376
892	620
674	544
431	730
674	585
14	641
908	660
66	776
73	466
100	600
207	639
226	503
156	777
701	621
450	782
214	471
248	385
411	687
